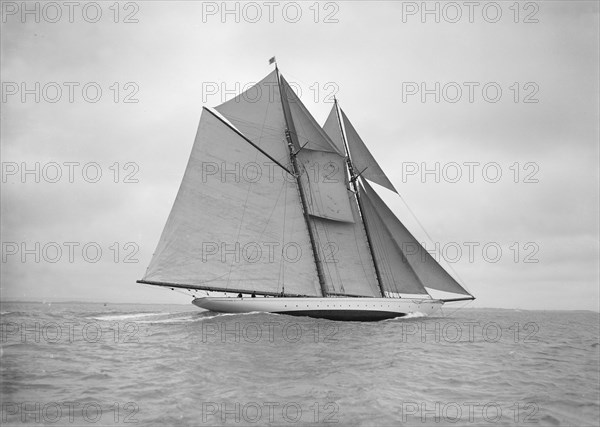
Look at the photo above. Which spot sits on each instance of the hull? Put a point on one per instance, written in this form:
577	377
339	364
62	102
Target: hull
351	309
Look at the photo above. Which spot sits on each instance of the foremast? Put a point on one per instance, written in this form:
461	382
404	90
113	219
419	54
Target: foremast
294	148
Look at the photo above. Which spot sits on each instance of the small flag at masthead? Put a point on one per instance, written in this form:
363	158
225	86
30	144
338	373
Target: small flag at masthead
272	60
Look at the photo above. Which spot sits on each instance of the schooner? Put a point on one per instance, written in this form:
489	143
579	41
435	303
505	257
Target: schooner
277	212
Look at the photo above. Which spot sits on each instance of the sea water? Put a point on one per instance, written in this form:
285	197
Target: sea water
96	364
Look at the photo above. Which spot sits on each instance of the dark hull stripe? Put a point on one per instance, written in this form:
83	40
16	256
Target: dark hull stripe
352	315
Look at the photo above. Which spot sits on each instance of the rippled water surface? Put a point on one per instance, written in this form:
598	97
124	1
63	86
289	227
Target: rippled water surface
91	364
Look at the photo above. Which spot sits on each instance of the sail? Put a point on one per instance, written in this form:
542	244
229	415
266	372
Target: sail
347	263
234	224
308	132
258	114
397	276
334	219
332	129
430	273
324	181
362	159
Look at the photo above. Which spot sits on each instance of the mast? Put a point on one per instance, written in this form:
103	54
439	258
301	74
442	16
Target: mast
353	179
289	132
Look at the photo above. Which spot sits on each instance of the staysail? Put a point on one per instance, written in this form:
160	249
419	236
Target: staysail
236	222
397	275
429	272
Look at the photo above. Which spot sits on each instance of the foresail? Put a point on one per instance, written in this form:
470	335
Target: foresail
429	272
362	159
258	114
397	276
235	223
309	133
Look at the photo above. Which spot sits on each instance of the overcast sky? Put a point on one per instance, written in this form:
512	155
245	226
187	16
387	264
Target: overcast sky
541	131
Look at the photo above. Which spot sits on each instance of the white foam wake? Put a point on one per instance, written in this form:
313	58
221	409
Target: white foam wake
127	316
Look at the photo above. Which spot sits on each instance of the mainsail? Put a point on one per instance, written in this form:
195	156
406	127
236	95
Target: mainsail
236	222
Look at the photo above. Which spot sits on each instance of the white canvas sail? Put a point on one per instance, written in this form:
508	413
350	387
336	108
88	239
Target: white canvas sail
430	273
333	130
347	263
234	229
258	114
362	159
324	181
397	276
308	132
338	231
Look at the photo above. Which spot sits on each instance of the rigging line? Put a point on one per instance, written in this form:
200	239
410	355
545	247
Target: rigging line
461	283
456	310
245	206
281	262
284	186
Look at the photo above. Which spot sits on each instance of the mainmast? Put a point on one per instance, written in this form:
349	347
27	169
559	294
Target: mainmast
353	178
294	147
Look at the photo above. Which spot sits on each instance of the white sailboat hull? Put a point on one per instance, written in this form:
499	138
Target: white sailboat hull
338	308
